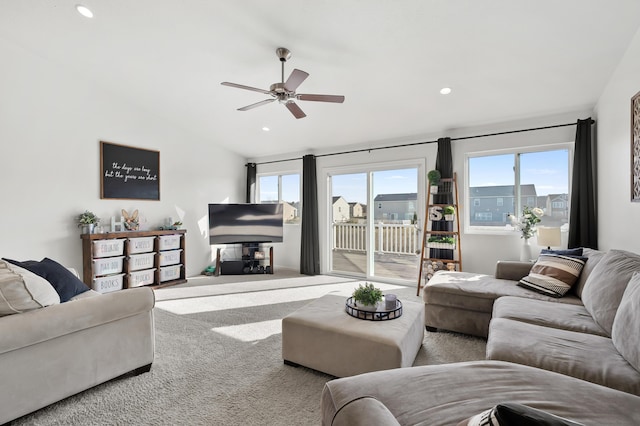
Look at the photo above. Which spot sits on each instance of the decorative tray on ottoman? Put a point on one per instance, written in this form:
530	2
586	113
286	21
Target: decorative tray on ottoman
380	314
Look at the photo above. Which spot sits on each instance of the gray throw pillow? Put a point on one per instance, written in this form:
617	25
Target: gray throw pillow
605	286
625	334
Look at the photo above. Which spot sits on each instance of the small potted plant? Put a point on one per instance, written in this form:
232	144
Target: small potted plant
449	213
440	242
434	179
87	221
367	297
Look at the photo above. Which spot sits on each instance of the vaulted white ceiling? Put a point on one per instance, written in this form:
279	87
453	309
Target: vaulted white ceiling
503	59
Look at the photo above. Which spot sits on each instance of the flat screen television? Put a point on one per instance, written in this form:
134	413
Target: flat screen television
245	223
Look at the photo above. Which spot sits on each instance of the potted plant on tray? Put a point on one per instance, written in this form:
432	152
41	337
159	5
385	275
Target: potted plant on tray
87	221
367	296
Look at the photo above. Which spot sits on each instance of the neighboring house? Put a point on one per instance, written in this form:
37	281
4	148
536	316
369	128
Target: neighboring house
290	212
556	208
490	205
389	207
357	210
340	209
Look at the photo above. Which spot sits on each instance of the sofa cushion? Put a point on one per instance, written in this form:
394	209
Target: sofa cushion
511	413
585	356
593	258
65	282
625	334
605	286
21	290
553	274
549	314
476	292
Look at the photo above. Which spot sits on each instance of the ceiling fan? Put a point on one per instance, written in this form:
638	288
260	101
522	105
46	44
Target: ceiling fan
285	91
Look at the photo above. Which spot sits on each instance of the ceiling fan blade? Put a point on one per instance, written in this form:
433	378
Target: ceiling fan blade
295	79
295	109
321	98
240	86
257	104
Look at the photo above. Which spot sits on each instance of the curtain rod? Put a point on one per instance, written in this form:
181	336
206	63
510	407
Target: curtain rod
425	142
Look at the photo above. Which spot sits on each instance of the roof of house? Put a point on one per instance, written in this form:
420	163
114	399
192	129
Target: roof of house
410	196
527	190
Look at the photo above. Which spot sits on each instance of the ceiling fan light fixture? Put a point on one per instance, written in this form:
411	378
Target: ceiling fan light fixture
84	11
265	129
445	90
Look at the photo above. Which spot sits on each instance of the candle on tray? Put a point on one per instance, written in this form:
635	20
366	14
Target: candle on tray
390	301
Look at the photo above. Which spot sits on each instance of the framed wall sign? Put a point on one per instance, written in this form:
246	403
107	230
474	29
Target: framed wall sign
635	148
127	172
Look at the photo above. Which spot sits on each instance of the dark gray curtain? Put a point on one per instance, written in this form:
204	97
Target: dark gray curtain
309	245
444	164
583	224
251	183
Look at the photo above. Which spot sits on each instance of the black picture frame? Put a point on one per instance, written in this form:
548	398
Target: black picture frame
130	173
635	148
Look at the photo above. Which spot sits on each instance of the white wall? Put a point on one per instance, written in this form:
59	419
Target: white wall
51	122
621	230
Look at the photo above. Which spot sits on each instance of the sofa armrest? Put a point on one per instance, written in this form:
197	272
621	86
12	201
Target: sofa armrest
512	269
28	328
365	410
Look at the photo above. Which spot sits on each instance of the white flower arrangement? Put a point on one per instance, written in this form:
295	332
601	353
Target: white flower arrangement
527	222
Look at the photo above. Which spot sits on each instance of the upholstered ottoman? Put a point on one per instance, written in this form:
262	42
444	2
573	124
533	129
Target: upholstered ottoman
322	336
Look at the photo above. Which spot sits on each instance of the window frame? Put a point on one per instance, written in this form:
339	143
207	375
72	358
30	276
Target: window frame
495	230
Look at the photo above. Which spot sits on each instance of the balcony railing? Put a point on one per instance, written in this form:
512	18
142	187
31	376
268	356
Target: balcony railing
389	237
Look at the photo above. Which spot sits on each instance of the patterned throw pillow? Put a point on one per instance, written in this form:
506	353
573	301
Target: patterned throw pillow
553	274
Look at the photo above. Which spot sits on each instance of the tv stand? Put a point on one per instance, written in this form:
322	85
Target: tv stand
254	261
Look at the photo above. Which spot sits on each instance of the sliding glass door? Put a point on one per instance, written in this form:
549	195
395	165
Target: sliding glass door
374	225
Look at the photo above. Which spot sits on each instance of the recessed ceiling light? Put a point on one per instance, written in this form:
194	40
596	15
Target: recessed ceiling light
445	90
266	129
84	11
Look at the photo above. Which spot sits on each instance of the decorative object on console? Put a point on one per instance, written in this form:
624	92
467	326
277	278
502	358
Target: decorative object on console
87	221
131	223
549	237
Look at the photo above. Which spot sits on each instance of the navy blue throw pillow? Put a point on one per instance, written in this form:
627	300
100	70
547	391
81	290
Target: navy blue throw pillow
66	284
568	252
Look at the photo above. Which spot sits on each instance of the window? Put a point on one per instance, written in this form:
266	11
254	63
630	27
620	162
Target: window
484	216
529	178
282	189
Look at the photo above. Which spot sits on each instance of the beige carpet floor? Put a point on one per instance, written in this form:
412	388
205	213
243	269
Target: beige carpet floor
218	358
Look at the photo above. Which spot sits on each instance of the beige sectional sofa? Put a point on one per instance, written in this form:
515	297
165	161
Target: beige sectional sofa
51	350
576	356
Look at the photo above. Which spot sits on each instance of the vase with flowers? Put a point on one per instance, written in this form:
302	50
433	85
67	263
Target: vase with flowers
526	225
